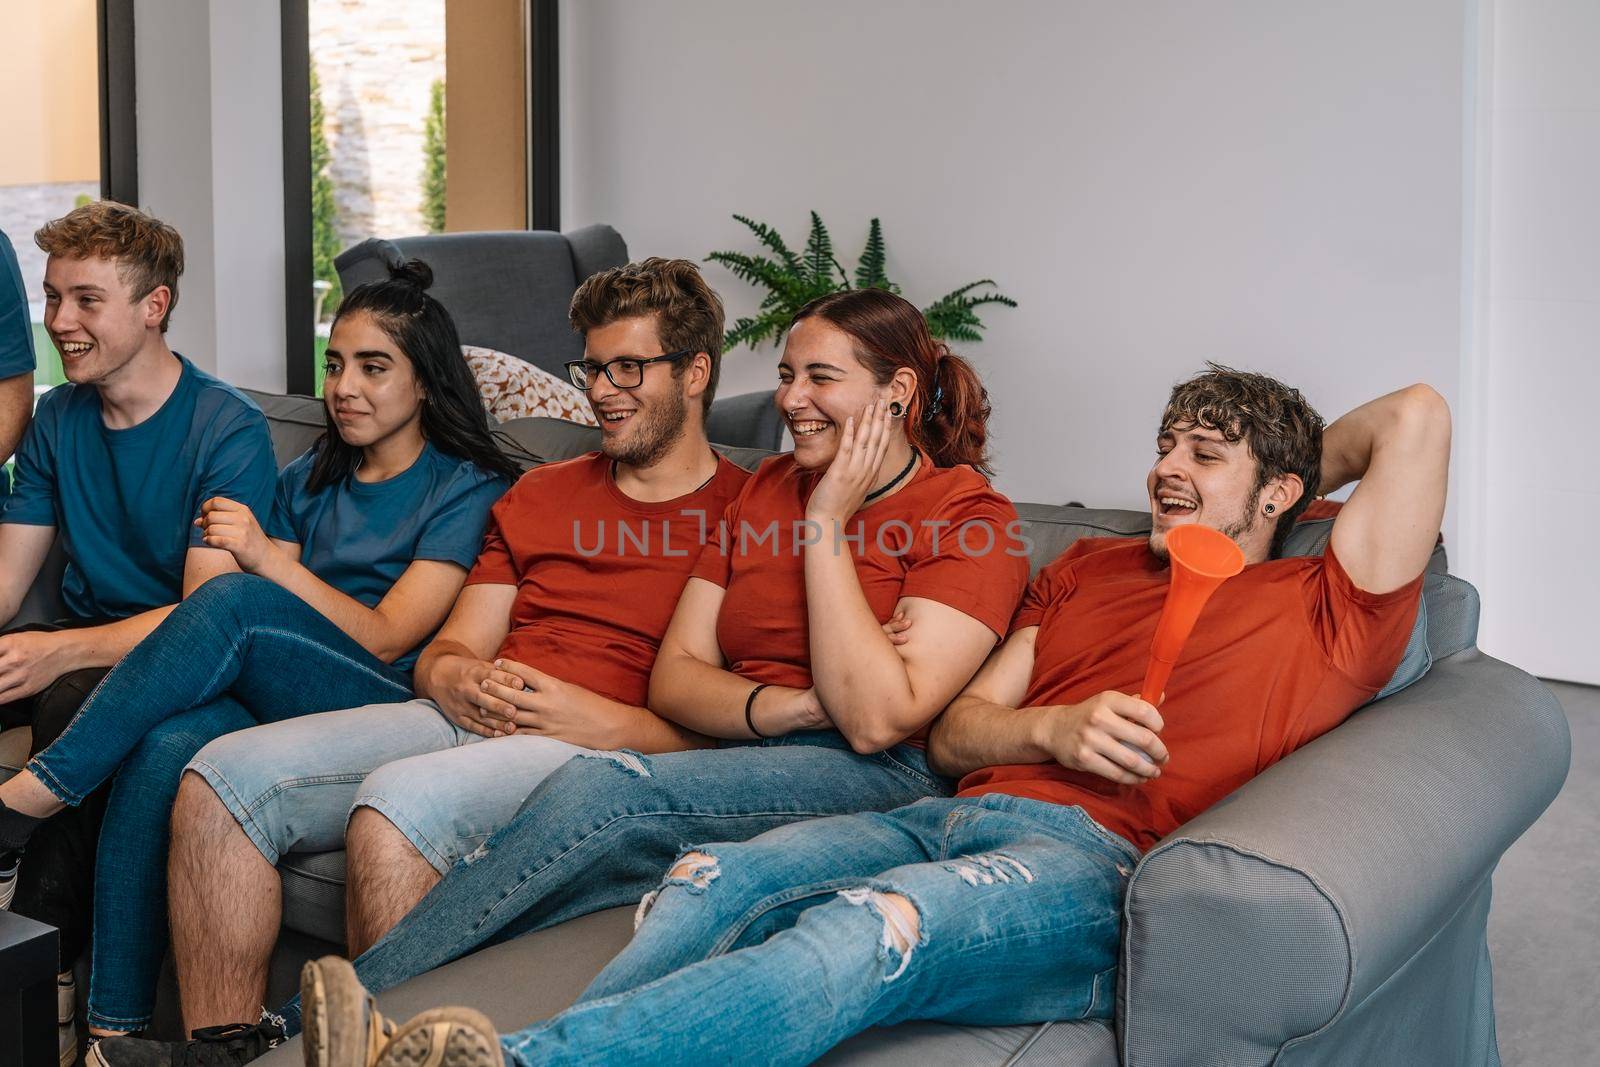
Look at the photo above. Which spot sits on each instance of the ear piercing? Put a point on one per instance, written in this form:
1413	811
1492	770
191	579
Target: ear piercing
1270	509
897	410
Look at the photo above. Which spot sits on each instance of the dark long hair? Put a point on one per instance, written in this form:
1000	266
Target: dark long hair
453	418
949	412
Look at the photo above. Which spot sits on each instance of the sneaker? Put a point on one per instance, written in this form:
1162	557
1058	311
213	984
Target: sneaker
9	861
342	1026
213	1046
67	1038
449	1037
66	998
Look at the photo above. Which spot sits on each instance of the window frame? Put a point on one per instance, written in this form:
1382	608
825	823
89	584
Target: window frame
541	83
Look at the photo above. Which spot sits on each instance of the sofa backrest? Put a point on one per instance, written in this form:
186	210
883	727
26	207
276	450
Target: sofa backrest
1447	622
506	290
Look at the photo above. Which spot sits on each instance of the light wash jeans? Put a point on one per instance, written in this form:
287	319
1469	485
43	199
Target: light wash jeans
240	650
777	949
293	785
600	831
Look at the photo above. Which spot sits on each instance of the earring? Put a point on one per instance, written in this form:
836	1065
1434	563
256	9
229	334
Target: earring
1270	509
897	410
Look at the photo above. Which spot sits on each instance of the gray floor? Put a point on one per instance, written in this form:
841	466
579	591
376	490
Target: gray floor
1544	926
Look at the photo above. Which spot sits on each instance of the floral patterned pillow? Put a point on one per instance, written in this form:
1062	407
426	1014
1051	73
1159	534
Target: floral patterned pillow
514	389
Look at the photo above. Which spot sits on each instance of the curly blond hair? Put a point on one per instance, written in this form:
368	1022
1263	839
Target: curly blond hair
147	251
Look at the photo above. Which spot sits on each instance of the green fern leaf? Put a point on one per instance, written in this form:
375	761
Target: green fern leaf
819	256
870	269
773	241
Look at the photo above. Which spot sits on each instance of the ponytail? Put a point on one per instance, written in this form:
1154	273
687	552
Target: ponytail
950	418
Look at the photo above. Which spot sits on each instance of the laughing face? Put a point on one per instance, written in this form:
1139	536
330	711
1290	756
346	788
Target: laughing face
821	384
1200	477
640	424
94	319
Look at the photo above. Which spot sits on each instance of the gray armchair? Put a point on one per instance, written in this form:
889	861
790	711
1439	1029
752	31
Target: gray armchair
509	291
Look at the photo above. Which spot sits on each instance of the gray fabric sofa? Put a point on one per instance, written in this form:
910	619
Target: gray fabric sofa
509	291
1331	911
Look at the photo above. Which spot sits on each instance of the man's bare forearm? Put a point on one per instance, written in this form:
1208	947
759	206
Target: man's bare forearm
16	411
103	646
1349	442
650	733
974	733
439	650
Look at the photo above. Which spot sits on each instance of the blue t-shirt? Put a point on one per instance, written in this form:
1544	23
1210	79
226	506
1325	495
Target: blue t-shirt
359	537
124	501
16	325
16	332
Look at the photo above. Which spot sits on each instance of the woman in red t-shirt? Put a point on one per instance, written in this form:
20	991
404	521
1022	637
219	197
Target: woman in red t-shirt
883	508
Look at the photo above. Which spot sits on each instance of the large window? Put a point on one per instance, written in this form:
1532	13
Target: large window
401	119
51	133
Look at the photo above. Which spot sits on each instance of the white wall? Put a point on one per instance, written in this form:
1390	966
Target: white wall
1274	185
1540	375
211	163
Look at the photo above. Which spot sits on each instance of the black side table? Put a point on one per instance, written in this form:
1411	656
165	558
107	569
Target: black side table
27	992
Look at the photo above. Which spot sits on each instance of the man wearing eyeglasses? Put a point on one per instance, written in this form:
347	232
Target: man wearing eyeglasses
546	654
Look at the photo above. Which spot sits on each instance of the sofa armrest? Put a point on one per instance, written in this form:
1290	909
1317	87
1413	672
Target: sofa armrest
1291	904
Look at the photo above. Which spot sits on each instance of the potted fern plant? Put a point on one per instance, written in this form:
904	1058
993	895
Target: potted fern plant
792	280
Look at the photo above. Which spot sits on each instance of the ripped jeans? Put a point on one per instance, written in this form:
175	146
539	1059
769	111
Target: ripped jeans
600	831
991	910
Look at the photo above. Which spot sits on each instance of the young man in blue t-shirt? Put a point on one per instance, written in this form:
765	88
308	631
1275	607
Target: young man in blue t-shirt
115	464
16	358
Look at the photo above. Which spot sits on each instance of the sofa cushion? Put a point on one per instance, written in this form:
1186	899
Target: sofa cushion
313	894
295	422
511	388
14	750
751	419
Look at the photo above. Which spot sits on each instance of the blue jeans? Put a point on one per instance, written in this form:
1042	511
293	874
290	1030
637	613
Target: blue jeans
292	786
239	651
777	949
599	832
129	933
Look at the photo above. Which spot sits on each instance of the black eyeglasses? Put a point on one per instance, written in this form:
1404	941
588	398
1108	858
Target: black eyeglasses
625	373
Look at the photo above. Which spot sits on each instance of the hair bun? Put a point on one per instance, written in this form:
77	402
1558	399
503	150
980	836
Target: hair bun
413	272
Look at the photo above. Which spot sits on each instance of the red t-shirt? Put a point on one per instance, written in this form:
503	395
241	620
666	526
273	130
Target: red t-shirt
1283	653
598	574
947	536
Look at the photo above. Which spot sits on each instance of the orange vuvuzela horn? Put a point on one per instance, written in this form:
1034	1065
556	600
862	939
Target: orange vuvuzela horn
1202	559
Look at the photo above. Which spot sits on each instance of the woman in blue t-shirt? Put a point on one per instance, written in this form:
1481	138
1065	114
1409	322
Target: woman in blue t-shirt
371	537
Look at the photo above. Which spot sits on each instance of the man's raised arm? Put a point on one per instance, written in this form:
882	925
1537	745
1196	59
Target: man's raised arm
1398	446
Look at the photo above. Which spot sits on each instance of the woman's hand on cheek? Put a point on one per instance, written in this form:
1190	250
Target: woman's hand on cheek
857	467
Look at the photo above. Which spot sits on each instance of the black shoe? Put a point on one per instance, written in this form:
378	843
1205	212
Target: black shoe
213	1046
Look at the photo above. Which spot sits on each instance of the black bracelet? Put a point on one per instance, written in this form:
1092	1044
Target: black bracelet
750	706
